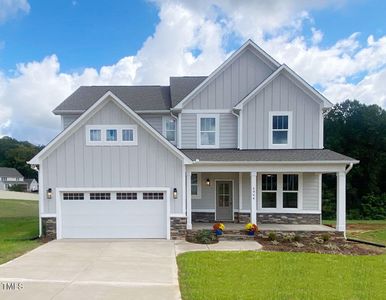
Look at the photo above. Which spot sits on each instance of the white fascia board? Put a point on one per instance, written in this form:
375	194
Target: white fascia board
68	112
88	114
269	61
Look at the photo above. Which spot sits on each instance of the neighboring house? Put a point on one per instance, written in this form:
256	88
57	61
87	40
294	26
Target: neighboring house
10	177
32	185
244	143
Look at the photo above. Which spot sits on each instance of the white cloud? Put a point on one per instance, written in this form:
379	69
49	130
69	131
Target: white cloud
11	8
191	38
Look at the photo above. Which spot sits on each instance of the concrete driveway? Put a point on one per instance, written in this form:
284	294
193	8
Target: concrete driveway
93	269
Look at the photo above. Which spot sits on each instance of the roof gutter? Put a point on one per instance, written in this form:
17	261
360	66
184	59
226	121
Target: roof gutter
349	168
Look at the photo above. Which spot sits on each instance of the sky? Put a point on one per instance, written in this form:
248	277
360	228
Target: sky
50	48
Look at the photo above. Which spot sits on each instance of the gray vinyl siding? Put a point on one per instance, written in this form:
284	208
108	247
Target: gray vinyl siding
311	189
154	120
281	95
233	84
207	200
227	127
68	119
149	164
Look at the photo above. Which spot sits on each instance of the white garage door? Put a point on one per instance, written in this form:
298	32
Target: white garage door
123	214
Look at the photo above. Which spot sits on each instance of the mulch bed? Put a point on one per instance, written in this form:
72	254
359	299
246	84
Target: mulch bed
334	245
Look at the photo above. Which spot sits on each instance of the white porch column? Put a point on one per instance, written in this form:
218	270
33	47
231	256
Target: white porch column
188	200
253	197
341	201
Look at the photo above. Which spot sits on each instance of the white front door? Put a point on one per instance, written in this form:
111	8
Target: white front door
224	200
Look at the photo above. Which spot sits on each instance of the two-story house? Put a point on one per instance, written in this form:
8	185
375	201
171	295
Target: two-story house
242	144
9	177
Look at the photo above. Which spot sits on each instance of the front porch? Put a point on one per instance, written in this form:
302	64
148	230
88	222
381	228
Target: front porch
268	227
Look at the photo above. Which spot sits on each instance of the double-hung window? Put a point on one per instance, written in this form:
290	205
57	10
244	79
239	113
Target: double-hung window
169	128
208	131
280	134
290	190
269	191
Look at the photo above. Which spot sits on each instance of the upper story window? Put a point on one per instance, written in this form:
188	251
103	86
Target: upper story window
169	129
111	135
207	131
3	178
280	130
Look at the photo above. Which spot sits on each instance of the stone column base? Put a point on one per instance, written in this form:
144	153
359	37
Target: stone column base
49	228
178	228
279	218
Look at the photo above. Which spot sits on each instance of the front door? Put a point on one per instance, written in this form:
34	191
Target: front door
224	200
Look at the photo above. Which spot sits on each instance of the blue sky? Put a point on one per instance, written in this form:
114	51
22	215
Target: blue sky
49	48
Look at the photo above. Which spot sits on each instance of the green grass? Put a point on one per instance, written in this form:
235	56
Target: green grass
19	225
280	275
367	230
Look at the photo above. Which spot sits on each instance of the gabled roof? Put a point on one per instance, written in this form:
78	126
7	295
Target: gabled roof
9	172
267	156
269	60
180	87
136	97
59	139
300	82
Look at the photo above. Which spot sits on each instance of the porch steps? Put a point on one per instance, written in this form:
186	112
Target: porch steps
235	235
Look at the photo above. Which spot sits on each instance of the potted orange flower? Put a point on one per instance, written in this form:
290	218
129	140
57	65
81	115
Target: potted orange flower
251	228
218	228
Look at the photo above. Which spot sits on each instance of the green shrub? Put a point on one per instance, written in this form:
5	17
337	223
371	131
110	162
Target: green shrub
325	237
297	238
205	236
272	236
374	207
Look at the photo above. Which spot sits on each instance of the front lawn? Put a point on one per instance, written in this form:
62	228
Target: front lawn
280	275
367	230
19	227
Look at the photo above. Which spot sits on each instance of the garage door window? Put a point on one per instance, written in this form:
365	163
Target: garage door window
73	196
100	196
126	196
153	196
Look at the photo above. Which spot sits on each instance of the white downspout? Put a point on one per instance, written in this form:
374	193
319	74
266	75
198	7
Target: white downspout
347	170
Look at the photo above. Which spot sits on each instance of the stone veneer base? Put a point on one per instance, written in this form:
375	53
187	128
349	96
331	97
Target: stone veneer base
49	228
281	218
178	228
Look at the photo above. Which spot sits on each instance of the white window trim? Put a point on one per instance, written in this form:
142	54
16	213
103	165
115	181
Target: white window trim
279	194
198	196
217	130
118	142
270	130
164	120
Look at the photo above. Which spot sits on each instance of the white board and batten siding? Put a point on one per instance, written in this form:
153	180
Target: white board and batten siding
281	95
232	84
149	164
68	119
227	127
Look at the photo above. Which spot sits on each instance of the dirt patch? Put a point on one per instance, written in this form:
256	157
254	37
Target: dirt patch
328	244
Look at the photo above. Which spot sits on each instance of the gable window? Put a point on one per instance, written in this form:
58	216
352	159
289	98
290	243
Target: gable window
290	190
280	134
269	190
127	135
111	135
196	186
95	135
208	132
3	178
169	128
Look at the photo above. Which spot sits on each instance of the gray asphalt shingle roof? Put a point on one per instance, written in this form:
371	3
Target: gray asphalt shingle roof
9	172
180	87
146	97
293	155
